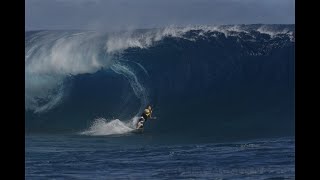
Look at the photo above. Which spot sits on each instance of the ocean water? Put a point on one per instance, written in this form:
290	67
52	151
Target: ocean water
139	157
224	98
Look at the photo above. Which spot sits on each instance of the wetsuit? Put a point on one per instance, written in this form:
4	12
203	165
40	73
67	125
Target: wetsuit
145	115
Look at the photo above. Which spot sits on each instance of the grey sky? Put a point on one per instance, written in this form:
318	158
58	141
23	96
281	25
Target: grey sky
130	14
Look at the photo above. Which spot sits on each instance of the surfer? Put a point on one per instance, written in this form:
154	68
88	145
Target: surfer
144	116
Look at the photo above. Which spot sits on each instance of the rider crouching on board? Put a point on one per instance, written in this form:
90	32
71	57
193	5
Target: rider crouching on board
144	116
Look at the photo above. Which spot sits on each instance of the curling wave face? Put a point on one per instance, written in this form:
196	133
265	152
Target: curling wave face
237	77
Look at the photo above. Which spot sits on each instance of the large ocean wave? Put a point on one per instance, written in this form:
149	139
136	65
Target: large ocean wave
233	80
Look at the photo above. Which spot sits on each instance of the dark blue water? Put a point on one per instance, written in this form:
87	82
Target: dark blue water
140	157
223	97
234	79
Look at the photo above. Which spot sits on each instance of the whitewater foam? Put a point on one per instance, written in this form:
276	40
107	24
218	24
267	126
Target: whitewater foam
51	57
103	127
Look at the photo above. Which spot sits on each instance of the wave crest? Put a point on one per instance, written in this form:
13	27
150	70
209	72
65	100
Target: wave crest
53	56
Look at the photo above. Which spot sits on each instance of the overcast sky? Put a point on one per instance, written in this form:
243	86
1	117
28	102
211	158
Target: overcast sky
130	14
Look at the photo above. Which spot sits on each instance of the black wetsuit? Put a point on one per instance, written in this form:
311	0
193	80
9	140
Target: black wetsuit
144	116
